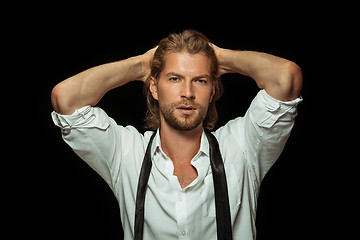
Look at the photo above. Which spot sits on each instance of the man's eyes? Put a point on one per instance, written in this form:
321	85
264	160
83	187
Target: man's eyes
200	80
174	79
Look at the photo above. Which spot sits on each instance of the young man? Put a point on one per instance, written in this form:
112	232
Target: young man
181	82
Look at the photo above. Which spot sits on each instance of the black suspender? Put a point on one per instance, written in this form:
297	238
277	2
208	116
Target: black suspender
141	191
223	217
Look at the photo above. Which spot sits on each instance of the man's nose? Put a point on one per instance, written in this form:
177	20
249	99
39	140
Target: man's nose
187	90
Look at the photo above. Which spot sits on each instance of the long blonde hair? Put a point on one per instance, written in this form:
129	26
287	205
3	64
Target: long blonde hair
192	42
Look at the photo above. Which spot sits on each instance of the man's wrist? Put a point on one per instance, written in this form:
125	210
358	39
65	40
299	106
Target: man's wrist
144	62
137	68
225	59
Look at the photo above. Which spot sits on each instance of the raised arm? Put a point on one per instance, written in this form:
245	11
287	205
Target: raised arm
281	78
88	87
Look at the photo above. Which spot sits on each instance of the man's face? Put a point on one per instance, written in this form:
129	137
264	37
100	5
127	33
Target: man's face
184	90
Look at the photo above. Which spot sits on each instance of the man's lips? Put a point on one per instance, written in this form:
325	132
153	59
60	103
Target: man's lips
186	109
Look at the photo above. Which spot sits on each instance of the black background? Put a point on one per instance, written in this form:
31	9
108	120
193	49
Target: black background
58	195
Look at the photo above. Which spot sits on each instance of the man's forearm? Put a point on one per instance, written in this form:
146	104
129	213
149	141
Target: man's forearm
88	87
279	77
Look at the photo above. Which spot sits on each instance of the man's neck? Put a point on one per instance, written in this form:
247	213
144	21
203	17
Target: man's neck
180	145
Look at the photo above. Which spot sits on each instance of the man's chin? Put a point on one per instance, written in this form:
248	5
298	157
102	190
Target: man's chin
188	128
184	123
185	126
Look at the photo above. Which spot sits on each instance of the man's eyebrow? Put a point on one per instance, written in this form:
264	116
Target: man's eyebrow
203	76
179	75
174	74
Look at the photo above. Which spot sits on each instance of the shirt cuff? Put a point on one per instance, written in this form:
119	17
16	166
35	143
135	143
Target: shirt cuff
85	117
269	98
275	109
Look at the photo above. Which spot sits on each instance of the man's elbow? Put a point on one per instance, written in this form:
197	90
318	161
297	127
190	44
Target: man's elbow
291	83
55	95
296	80
58	99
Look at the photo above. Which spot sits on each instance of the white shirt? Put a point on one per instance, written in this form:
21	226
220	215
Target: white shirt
249	146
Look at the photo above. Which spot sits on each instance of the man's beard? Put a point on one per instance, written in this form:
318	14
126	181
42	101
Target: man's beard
182	121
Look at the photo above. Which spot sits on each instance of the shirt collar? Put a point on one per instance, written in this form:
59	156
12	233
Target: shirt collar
204	144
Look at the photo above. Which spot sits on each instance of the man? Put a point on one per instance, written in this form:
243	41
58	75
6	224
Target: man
181	83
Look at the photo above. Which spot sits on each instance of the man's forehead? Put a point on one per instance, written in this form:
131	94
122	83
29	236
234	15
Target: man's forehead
187	64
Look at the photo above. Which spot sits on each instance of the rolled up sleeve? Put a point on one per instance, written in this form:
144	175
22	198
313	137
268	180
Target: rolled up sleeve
85	117
93	136
267	126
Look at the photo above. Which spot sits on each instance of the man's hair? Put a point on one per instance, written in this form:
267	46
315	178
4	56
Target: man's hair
192	42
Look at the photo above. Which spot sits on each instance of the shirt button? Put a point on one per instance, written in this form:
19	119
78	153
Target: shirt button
183	232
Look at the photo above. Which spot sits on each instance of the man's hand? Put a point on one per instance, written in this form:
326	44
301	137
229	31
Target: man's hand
146	59
218	52
222	67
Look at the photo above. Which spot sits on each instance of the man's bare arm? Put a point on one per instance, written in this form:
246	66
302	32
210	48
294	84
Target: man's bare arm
281	78
88	87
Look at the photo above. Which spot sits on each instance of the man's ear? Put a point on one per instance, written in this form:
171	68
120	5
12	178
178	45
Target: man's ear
153	88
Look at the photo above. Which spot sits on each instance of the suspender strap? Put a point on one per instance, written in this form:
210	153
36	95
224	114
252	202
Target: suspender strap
141	191
223	217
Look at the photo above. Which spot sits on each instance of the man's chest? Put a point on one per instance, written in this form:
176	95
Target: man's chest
185	173
188	211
